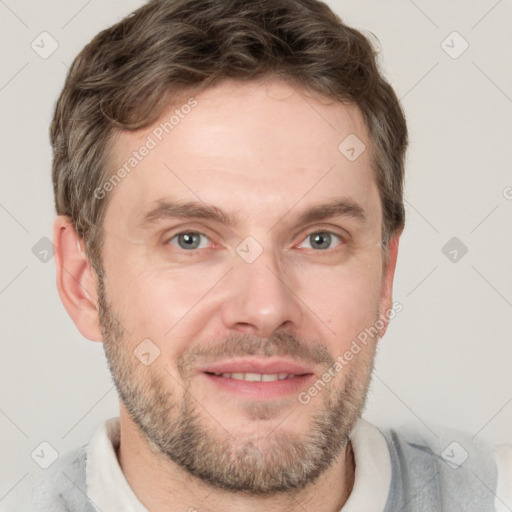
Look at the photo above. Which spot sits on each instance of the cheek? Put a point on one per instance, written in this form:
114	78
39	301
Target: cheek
345	298
158	303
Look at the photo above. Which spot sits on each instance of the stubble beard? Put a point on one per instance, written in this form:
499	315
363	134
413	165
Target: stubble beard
181	430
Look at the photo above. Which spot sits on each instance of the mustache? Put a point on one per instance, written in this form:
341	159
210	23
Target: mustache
282	344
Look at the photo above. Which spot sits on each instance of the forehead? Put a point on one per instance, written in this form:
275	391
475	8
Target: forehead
263	145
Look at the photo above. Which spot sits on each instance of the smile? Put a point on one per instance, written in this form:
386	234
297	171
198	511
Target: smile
257	377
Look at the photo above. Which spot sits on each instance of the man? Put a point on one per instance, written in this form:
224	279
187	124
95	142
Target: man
228	182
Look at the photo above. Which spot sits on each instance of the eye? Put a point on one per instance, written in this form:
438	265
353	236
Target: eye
321	240
189	240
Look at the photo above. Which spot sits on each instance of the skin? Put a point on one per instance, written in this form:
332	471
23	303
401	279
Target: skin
263	152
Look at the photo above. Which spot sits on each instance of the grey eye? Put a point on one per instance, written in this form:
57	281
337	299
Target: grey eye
189	240
321	240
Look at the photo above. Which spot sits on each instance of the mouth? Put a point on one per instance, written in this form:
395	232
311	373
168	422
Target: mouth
256	378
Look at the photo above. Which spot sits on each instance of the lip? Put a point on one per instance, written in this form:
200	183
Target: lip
303	376
257	365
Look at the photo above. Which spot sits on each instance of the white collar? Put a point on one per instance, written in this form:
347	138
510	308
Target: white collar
107	486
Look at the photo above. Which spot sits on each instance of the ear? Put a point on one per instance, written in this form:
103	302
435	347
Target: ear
76	279
386	292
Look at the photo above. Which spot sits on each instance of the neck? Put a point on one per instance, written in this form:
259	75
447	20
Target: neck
161	485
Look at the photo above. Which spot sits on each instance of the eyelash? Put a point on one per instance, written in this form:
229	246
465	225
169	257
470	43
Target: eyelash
187	233
322	232
341	239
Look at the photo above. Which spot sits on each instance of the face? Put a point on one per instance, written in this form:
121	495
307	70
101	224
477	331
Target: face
242	260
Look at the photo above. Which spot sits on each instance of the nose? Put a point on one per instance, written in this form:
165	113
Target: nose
261	298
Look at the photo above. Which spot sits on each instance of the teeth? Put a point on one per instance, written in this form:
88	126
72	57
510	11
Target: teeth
257	377
253	377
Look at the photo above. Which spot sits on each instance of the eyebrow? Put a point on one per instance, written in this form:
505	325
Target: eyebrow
166	209
192	209
337	208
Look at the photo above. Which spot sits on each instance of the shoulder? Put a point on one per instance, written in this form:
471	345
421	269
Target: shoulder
60	488
442	467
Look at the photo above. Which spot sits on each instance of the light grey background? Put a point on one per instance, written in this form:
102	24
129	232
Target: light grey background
447	357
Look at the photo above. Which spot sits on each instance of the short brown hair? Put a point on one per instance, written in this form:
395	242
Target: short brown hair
129	73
